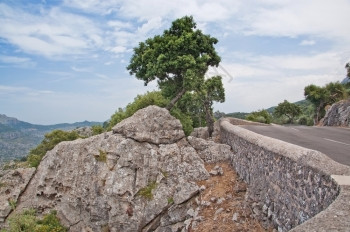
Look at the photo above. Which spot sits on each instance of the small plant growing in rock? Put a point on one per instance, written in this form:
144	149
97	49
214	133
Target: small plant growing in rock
2	184
12	204
165	173
102	157
146	192
170	200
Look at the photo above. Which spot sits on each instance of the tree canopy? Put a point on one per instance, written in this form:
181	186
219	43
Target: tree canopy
287	109
178	59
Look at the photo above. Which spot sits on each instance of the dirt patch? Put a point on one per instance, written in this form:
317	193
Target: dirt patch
222	203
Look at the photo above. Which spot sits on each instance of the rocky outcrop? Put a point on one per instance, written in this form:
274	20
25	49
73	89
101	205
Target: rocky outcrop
12	184
140	177
338	114
153	125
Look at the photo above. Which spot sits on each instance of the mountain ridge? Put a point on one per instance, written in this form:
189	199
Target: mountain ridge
17	137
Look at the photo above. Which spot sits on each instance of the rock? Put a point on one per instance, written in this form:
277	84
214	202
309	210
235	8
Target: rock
235	217
217	171
210	151
220	200
141	176
185	192
12	184
217	212
202	188
213	172
85	131
151	124
200	132
338	114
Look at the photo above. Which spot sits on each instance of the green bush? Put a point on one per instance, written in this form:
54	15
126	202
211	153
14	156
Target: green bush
49	142
97	129
261	116
140	102
27	221
185	120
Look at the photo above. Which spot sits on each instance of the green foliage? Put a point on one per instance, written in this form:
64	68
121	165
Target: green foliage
140	102
185	120
102	157
178	59
240	115
28	222
261	116
49	142
287	109
320	97
12	203
97	129
170	200
2	184
146	192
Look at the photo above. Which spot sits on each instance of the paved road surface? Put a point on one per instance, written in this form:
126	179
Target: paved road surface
332	141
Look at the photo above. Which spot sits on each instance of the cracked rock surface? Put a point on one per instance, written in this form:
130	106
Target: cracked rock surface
140	177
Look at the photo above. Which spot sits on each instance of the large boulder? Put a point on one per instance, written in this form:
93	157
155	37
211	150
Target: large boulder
151	124
140	177
338	114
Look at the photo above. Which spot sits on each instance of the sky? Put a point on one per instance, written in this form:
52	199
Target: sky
65	61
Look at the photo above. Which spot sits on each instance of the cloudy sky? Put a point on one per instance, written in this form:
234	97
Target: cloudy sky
65	61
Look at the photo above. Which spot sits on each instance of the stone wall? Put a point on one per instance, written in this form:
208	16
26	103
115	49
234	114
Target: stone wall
288	184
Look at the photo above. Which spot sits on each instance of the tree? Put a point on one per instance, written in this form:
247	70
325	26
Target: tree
322	96
347	66
212	90
287	109
179	58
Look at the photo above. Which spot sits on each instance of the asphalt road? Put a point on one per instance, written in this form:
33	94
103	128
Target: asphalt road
331	141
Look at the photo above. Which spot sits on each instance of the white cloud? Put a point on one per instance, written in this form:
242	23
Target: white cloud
17	61
264	81
53	33
307	42
323	18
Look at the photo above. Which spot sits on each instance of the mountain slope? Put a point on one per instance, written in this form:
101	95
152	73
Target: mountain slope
17	138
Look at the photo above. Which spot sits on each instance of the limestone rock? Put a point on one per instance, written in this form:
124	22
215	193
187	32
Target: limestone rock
85	131
338	114
200	132
151	124
119	181
210	151
12	184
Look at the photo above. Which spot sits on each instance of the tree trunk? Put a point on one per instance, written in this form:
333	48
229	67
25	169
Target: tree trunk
318	111
175	99
209	118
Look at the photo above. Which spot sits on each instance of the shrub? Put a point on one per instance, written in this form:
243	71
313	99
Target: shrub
49	142
97	129
261	116
27	221
140	102
185	120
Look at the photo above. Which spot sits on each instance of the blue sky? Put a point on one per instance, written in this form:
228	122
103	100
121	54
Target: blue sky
65	61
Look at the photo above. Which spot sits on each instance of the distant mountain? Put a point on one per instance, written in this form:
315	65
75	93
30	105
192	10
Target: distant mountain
17	138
